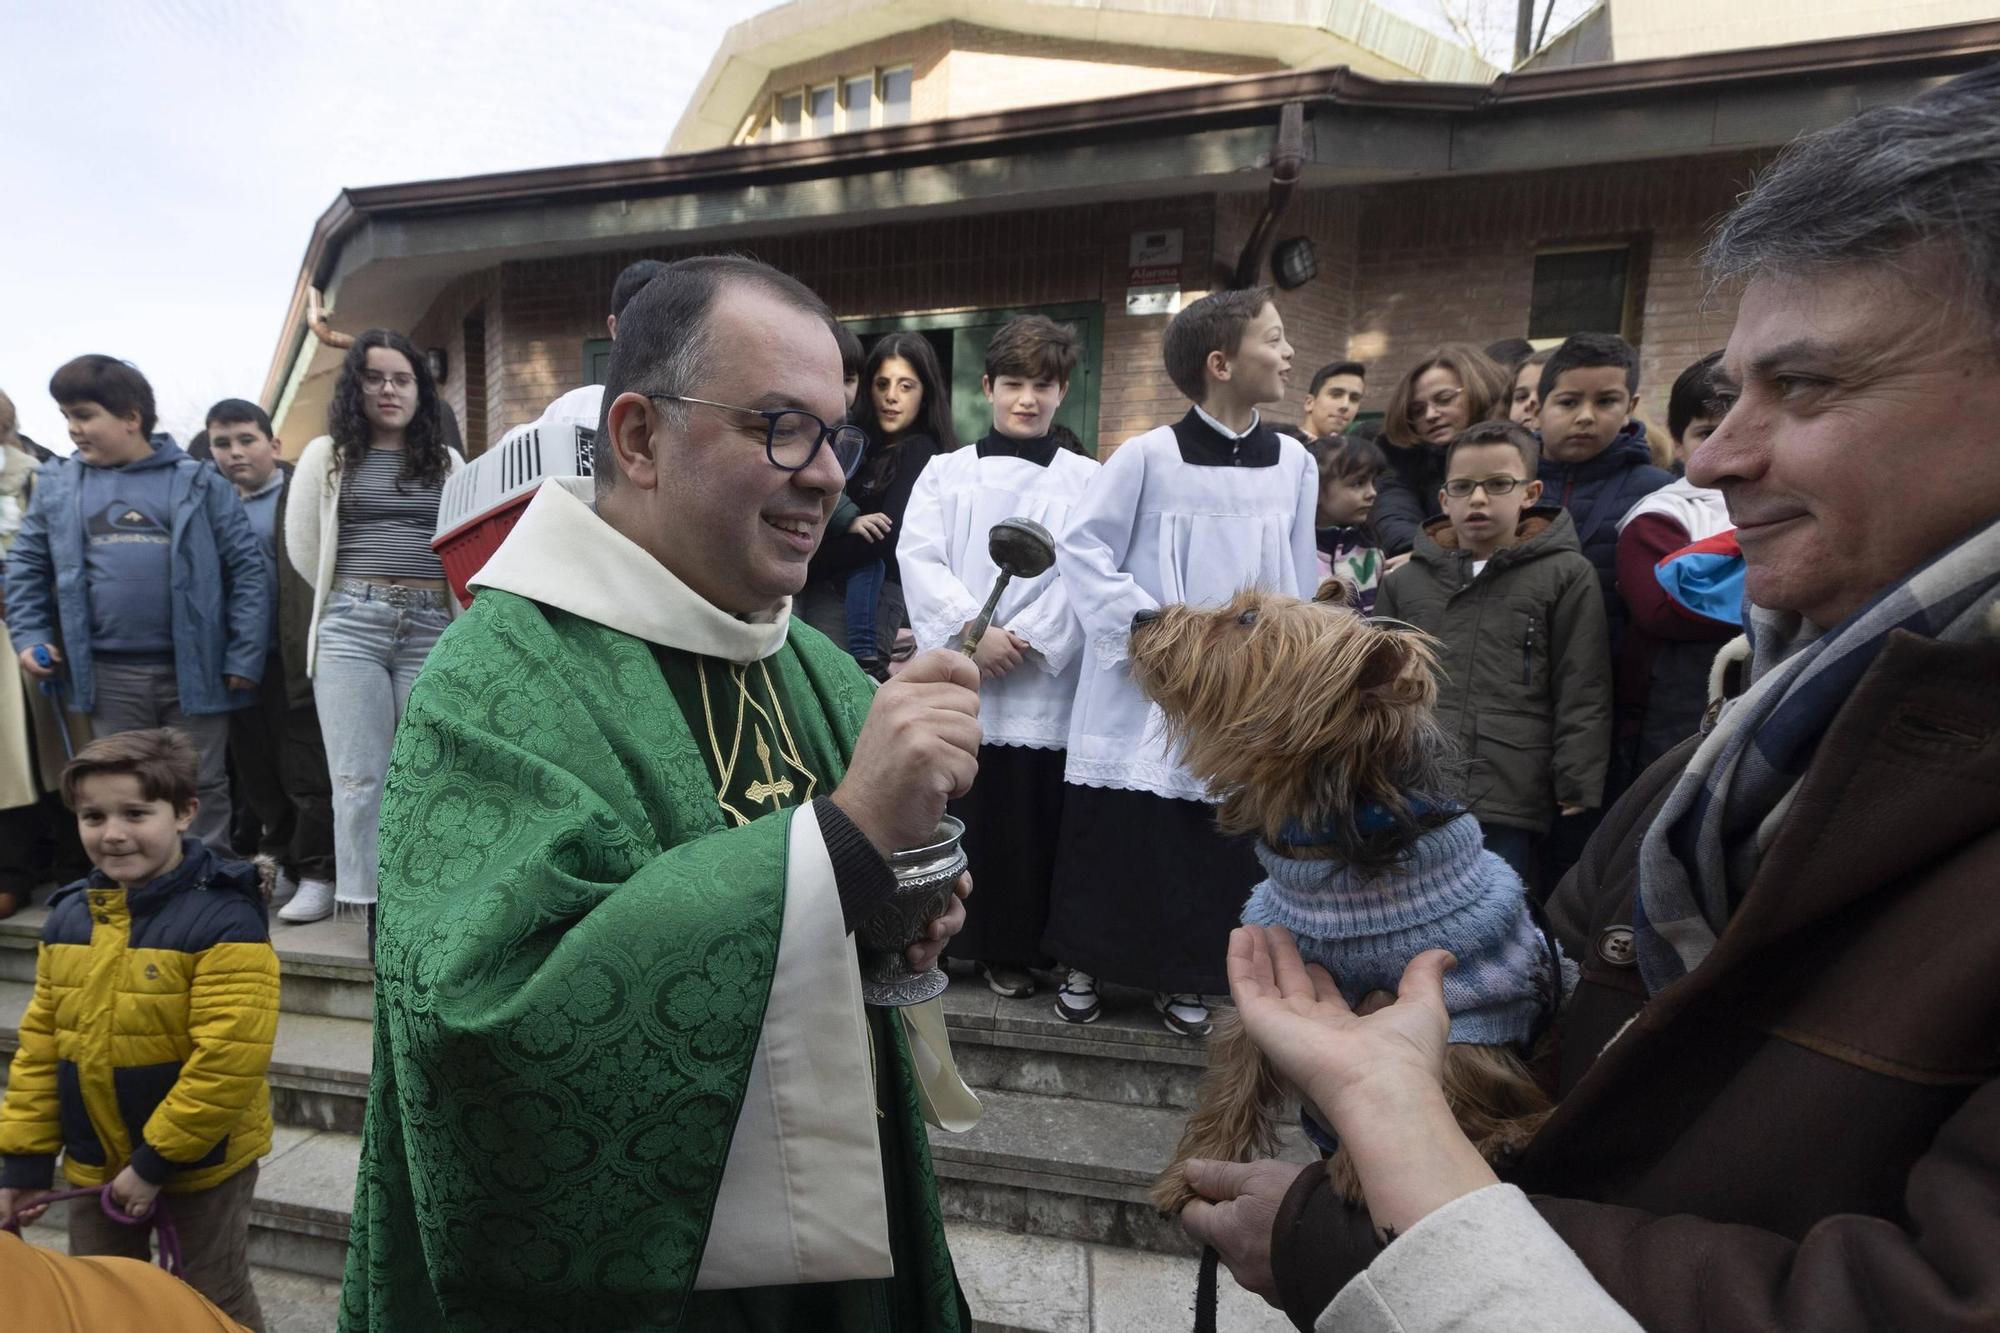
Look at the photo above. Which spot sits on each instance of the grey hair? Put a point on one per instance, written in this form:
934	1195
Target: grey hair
1869	190
666	343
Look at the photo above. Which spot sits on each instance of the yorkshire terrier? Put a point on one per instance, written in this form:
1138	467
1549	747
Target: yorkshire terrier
1317	731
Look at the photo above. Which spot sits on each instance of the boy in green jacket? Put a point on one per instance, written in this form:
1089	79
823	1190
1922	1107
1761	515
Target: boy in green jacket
1524	667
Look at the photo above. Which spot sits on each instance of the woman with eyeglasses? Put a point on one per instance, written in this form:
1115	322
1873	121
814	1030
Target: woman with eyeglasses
855	595
359	516
1441	395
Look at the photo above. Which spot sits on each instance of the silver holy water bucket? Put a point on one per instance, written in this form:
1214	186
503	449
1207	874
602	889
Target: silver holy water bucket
924	877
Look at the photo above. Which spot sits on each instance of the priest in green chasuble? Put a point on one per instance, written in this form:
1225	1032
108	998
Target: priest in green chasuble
623	1076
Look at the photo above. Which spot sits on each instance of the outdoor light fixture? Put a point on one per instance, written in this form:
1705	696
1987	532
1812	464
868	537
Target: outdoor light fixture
435	359
1293	263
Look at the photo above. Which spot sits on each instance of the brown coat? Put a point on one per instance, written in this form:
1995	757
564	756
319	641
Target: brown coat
1805	1132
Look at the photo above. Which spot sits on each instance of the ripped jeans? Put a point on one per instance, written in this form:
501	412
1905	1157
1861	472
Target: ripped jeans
372	642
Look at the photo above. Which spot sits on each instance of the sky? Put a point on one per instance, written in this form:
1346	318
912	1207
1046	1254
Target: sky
163	161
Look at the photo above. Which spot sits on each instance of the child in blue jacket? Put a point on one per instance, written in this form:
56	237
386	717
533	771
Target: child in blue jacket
137	575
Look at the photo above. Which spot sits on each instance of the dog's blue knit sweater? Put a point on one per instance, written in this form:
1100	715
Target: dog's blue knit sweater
1446	892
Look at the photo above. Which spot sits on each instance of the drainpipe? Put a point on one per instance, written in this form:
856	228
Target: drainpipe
1288	160
316	321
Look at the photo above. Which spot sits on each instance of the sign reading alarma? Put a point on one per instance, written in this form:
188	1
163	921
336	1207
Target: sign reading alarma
1153	272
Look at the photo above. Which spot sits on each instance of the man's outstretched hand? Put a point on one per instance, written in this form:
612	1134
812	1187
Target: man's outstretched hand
918	749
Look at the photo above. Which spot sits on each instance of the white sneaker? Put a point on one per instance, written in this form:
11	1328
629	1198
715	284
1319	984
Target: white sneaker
313	902
283	889
1185	1015
1077	1002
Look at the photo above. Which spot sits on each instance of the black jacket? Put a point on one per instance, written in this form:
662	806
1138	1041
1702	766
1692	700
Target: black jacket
1406	496
1598	492
886	491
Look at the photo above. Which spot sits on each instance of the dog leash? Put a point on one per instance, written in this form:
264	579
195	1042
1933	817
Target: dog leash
159	1220
1205	1293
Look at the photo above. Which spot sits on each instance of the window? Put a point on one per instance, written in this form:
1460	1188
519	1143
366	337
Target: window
787	122
819	105
857	102
896	95
1579	291
851	102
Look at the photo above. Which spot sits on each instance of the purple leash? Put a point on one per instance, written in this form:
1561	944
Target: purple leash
159	1219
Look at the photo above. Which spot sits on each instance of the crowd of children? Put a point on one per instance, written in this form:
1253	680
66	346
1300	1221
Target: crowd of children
1514	510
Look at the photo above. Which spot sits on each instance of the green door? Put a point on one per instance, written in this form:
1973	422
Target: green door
966	334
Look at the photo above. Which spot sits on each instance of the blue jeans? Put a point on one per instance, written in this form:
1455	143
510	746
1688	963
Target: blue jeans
864	590
372	642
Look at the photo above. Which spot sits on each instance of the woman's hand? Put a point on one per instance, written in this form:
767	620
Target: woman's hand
1297	1018
871	527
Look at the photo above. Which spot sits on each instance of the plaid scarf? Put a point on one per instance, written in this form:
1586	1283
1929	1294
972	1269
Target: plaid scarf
1698	857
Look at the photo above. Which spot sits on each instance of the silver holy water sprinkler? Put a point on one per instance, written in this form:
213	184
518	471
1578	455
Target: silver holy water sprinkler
1020	548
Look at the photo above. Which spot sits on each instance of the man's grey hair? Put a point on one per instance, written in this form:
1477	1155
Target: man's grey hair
665	341
1869	190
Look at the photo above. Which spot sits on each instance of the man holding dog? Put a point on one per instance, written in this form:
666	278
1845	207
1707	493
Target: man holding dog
623	1076
1780	1072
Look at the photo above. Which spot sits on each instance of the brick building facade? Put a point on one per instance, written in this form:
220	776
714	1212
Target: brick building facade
1401	269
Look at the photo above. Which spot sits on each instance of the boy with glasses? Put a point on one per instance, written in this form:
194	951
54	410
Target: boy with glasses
1524	672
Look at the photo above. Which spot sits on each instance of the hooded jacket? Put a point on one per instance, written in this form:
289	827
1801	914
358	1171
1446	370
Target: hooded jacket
1524	675
1598	492
149	1034
218	584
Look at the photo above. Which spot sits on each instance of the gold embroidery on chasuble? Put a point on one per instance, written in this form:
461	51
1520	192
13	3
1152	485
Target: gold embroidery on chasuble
752	756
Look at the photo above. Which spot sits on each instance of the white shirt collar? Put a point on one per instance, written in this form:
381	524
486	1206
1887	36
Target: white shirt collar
1223	430
562	554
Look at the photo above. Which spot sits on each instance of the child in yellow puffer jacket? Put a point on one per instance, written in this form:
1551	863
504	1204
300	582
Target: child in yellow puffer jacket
143	1053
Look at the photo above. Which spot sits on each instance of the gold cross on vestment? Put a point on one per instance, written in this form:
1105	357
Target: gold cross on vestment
761	792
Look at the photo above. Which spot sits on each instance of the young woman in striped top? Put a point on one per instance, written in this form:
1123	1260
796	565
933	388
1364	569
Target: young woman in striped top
358	526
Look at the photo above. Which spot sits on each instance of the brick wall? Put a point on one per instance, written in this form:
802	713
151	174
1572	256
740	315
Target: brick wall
1400	269
1318	316
1048	257
474	297
1440	262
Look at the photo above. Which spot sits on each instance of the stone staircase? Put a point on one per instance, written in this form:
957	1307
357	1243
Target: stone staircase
1078	1119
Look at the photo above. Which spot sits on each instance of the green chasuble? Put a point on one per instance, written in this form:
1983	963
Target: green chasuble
583	870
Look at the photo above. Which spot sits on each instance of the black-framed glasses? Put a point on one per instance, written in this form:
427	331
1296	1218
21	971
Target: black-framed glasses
792	436
1460	487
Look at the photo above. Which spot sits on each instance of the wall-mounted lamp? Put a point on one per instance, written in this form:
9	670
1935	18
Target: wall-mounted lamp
1293	263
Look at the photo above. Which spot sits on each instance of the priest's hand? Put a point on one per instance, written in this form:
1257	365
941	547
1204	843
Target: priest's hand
918	749
923	955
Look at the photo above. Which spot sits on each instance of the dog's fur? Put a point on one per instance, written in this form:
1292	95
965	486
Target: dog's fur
1298	715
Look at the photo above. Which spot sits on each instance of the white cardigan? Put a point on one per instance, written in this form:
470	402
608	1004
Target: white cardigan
312	529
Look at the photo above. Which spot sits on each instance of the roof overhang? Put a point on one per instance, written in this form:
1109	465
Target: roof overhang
1354	33
384	253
